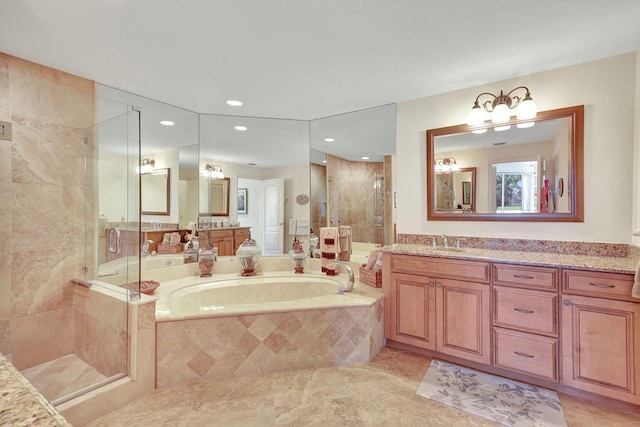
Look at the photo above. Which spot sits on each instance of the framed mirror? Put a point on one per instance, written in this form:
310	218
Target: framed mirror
217	196
155	192
524	170
456	191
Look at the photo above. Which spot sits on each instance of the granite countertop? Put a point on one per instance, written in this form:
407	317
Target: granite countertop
547	259
21	404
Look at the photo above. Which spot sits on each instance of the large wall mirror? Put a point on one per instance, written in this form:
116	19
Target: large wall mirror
351	175
522	171
214	196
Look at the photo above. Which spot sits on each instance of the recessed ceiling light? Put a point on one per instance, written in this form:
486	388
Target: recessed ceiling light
329	140
365	158
240	127
167	123
234	102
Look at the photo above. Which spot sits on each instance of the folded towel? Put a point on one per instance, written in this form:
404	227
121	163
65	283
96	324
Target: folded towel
329	248
303	227
635	290
293	226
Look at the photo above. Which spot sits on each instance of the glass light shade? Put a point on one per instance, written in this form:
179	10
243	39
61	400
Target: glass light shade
525	125
475	117
527	109
501	128
500	114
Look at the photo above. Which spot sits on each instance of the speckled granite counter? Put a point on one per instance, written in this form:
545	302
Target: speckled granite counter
21	404
547	259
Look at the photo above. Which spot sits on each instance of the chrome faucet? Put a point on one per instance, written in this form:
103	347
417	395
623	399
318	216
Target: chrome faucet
445	242
145	247
350	277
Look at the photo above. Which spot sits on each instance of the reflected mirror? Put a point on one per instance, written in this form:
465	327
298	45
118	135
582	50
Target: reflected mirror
351	176
155	192
214	197
524	170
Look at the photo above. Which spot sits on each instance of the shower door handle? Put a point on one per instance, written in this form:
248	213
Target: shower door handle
114	240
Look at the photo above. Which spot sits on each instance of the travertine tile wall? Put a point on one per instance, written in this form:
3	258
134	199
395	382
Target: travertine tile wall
350	192
43	207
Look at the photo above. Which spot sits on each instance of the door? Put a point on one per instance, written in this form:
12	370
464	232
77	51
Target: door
273	230
463	319
601	346
413	310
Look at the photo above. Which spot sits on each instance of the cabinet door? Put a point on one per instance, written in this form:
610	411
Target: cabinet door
412	310
463	319
601	346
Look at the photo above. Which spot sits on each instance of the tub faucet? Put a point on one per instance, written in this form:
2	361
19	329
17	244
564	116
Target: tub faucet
145	247
350	277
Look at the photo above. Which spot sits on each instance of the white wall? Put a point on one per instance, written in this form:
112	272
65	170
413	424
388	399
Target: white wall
607	90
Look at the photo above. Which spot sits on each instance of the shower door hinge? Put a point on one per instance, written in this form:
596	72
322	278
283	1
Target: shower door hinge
5	131
86	140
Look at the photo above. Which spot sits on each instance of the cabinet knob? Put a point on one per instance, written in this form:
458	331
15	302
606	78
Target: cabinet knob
431	284
438	285
566	302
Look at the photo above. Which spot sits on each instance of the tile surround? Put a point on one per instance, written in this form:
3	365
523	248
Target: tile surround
224	347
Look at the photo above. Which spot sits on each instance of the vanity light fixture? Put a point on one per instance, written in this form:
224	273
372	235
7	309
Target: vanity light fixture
167	123
240	128
213	171
365	158
500	107
329	140
146	166
234	102
446	164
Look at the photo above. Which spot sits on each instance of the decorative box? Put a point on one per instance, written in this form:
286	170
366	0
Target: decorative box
370	277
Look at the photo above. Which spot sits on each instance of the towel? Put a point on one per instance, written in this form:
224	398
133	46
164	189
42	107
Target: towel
293	226
303	226
635	290
373	257
329	248
345	242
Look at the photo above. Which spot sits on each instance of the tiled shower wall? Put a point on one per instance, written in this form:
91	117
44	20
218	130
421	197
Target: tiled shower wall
43	207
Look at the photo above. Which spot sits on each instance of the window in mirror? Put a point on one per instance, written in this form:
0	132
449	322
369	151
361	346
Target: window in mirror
155	191
521	171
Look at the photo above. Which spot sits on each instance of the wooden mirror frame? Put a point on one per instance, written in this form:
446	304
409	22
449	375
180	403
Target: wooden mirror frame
576	174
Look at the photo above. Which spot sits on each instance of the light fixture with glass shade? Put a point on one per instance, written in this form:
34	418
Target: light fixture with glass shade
500	106
213	171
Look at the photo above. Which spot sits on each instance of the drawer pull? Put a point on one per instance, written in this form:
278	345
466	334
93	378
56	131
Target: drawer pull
522	276
523	310
601	285
431	284
528	356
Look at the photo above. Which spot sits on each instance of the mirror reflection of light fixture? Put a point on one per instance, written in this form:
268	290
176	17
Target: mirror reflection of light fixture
446	164
500	107
146	166
213	171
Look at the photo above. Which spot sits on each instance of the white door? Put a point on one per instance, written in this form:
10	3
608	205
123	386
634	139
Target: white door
273	196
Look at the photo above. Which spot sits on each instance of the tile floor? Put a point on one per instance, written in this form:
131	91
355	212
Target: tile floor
380	393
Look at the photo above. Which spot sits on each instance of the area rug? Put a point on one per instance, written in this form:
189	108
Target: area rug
507	402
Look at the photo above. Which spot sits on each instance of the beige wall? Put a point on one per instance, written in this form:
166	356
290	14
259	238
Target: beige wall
43	207
607	90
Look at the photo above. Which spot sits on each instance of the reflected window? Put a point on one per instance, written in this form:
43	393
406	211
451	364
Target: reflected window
516	187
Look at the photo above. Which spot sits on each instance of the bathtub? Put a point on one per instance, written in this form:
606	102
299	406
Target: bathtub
130	264
231	326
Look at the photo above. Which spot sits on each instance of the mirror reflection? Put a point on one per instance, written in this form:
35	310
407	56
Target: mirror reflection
351	176
155	191
523	171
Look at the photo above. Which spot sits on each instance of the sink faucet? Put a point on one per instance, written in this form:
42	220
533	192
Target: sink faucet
445	242
350	280
145	247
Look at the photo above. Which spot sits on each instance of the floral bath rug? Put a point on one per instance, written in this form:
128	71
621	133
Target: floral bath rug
507	402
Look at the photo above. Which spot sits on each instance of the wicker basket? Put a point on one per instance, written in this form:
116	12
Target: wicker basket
370	277
170	248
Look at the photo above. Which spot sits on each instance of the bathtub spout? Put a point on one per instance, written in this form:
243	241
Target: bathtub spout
350	277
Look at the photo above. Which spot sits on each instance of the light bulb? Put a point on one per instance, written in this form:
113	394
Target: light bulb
475	117
527	109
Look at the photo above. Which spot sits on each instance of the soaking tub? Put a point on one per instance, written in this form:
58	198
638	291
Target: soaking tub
235	326
130	264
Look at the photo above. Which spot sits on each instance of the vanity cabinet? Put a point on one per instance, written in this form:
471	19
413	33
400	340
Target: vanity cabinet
227	240
525	320
439	304
601	334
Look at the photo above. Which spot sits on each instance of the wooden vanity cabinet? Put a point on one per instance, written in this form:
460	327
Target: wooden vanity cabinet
431	307
601	334
525	320
227	240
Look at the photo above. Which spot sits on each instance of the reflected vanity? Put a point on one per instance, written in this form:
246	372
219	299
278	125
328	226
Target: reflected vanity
525	171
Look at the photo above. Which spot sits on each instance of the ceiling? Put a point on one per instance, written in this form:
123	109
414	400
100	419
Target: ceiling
311	59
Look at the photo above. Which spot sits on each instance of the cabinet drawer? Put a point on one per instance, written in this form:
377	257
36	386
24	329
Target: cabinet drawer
476	271
531	311
598	284
529	354
526	276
